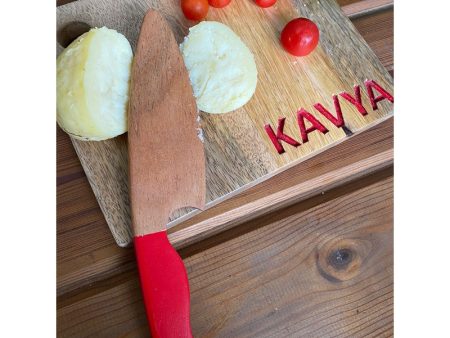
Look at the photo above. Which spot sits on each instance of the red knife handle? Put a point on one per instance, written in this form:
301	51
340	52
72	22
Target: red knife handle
165	286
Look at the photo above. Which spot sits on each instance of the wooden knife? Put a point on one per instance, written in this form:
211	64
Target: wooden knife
166	170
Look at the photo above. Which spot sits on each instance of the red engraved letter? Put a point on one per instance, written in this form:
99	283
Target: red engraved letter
301	115
338	121
370	84
356	101
280	136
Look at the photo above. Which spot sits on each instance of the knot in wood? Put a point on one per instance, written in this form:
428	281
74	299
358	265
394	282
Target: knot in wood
341	259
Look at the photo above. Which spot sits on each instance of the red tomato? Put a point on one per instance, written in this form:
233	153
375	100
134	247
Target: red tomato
219	3
300	37
265	3
194	9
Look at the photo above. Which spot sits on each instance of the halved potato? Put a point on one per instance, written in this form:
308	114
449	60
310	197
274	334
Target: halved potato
93	75
221	68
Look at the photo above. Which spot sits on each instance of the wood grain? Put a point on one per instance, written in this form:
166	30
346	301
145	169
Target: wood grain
82	270
363	8
320	268
87	253
97	281
380	39
237	149
294	194
166	165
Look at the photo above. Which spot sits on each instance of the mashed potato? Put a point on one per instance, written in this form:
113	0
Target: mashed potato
93	76
221	68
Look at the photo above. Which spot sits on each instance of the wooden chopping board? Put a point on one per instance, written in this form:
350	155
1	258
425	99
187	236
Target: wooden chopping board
238	149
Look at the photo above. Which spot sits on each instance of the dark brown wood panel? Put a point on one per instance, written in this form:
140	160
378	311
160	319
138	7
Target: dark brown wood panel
68	166
321	268
377	30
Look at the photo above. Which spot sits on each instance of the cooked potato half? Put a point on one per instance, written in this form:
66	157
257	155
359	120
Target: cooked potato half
221	68
93	76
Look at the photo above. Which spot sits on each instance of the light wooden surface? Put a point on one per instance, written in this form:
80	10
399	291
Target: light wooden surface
238	151
98	291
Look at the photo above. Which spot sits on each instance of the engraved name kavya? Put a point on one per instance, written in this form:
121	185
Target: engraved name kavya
337	119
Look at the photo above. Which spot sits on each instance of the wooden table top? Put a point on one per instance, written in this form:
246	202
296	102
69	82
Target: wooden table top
320	268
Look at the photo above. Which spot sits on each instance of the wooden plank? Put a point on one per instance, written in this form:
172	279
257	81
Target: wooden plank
381	40
237	148
87	253
363	8
294	194
81	270
319	268
68	164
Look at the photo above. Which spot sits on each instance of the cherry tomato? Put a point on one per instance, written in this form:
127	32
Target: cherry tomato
300	36
194	9
265	3
219	3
